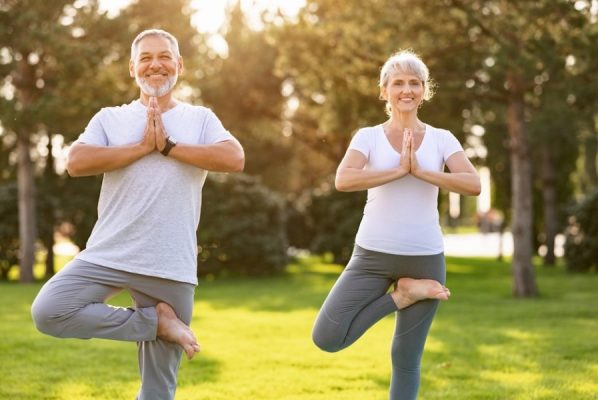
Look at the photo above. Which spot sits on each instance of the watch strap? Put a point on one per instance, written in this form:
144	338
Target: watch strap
169	145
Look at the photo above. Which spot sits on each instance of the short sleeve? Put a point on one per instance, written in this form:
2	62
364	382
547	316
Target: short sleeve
213	131
450	145
361	143
94	132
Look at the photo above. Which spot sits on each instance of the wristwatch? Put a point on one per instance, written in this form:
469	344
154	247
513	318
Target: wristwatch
170	143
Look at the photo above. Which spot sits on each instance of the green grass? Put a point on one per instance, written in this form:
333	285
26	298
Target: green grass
256	341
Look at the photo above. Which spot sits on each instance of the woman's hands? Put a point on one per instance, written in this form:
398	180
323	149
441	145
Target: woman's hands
409	162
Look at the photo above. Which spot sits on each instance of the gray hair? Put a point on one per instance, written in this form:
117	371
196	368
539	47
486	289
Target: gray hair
407	61
174	44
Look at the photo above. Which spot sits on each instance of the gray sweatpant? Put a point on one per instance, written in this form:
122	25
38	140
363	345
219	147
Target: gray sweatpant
360	298
71	305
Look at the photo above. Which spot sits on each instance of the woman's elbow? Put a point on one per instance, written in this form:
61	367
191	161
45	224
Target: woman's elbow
341	185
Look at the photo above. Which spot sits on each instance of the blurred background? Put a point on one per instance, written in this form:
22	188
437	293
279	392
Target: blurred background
293	80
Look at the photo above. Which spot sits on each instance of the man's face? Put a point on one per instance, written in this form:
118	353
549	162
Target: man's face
155	67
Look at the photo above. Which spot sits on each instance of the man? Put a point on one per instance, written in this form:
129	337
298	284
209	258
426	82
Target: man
154	153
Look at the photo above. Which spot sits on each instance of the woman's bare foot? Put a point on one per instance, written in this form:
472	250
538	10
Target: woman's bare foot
409	291
172	329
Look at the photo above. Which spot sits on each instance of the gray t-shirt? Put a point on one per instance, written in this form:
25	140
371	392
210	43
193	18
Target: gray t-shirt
148	212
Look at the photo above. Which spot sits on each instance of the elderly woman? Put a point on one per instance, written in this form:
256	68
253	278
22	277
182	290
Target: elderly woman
401	164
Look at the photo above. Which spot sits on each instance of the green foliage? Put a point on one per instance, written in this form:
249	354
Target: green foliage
244	92
9	228
332	221
581	245
78	206
242	228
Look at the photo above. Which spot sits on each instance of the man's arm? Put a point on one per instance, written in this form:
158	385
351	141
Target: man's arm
88	159
226	156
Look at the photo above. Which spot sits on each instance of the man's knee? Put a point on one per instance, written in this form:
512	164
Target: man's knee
44	317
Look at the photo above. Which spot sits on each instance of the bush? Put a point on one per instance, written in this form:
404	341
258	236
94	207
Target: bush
242	228
581	245
79	206
334	218
9	228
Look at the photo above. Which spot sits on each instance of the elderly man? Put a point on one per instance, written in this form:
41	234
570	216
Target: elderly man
154	153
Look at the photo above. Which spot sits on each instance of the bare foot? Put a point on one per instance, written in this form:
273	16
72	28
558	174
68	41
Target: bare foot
172	329
409	291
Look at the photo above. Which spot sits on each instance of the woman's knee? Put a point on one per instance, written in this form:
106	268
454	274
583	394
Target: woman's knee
325	342
326	335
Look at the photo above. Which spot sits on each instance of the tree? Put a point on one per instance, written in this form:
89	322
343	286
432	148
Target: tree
525	44
243	90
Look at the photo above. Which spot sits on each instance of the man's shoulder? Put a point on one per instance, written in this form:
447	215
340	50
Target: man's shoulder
194	108
120	110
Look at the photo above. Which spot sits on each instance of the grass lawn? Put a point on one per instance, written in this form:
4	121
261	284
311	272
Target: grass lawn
256	343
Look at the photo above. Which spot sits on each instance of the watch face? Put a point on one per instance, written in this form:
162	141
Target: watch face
172	140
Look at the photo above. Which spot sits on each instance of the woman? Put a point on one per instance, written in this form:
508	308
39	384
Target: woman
400	162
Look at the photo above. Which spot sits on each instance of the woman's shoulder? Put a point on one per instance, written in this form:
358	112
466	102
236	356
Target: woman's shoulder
437	131
440	134
369	131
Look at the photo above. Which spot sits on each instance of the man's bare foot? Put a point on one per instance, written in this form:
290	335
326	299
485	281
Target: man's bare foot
409	291
172	329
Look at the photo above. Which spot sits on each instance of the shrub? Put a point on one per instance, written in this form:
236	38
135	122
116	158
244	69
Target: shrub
581	245
242	228
9	228
335	217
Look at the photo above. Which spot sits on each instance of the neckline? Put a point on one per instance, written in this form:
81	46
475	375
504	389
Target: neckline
426	131
143	107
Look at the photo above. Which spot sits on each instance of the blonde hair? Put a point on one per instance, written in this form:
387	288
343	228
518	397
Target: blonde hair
407	61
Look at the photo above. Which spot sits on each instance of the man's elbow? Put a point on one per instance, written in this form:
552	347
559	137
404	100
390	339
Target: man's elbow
237	163
73	168
475	189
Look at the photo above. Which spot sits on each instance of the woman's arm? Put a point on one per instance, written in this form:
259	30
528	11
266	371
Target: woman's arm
462	178
351	175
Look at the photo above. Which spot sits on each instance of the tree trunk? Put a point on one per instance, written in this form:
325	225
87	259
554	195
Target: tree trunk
590	153
551	223
49	214
27	228
24	81
524	283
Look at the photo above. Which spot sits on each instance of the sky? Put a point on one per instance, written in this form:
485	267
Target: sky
210	14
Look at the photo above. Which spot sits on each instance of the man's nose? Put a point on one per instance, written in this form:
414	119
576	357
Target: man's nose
155	63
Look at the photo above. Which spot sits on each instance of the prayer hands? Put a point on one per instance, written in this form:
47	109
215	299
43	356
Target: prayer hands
408	159
154	136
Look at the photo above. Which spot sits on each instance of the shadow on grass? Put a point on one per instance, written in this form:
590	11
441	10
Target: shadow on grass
304	285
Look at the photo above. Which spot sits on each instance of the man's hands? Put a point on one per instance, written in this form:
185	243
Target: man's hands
154	136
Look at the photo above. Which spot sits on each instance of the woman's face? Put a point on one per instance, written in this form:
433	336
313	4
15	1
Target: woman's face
404	92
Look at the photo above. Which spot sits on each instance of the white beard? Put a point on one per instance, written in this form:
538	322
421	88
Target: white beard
156	91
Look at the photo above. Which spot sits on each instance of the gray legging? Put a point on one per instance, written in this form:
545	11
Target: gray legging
359	299
71	305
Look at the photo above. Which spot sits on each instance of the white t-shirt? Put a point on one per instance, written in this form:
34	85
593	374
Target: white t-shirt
148	211
401	217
